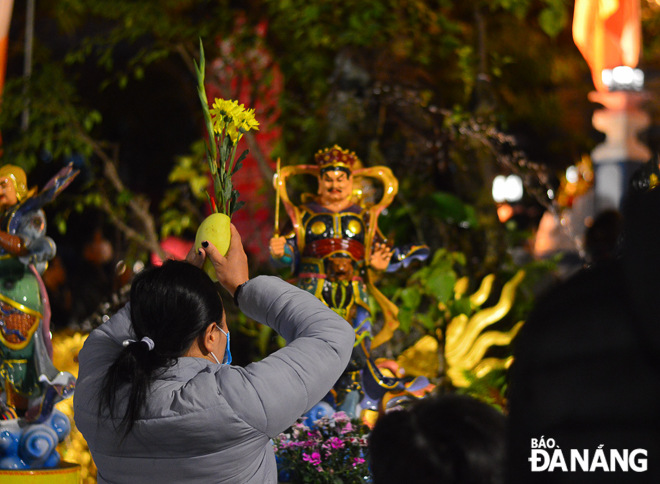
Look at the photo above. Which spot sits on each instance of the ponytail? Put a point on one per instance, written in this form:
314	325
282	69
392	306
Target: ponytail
171	306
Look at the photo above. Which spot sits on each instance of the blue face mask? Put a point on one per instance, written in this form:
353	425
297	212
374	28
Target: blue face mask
227	359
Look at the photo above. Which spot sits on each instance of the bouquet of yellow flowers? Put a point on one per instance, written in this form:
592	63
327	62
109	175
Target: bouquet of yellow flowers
226	123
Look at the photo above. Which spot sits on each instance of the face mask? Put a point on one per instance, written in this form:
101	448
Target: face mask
227	359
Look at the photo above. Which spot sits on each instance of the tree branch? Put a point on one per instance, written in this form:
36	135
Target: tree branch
139	207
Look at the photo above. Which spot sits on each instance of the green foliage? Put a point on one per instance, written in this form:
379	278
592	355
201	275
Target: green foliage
169	26
490	389
553	17
186	192
427	289
58	123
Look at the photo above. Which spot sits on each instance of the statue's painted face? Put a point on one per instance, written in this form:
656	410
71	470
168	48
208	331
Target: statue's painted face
7	193
335	186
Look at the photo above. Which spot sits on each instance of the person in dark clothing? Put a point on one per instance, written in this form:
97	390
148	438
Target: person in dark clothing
448	439
601	239
587	369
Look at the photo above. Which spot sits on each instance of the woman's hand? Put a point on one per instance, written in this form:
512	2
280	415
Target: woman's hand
232	269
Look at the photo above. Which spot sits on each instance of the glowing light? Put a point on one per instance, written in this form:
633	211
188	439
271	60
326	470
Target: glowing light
138	266
504	212
623	78
499	188
514	188
622	75
572	174
551	194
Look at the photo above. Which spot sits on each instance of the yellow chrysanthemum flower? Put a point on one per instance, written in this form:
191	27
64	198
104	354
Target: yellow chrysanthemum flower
223	113
223	107
232	132
246	121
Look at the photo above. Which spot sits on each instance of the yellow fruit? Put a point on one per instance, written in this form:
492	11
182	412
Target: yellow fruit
216	229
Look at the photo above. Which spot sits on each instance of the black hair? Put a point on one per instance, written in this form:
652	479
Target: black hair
328	168
172	305
453	439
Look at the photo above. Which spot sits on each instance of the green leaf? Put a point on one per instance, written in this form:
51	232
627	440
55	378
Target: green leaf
461	306
239	162
427	321
553	18
236	206
213	167
237	167
61	225
453	210
411	297
225	151
124	197
441	285
405	319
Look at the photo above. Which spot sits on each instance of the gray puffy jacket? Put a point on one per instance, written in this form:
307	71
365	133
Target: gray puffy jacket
210	423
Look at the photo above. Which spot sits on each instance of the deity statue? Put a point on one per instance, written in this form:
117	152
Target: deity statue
31	385
337	253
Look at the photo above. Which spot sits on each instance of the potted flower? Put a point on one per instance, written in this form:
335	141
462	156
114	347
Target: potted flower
226	123
331	450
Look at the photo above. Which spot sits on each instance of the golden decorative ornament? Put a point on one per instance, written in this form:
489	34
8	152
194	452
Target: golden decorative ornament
354	226
465	340
479	297
460	287
421	359
318	228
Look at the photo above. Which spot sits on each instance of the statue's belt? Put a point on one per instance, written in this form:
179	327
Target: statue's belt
326	247
315	275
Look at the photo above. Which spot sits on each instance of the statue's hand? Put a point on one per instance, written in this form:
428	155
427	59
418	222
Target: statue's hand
277	245
380	257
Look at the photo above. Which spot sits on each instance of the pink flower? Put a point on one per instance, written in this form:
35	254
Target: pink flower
357	461
336	443
314	459
315	435
348	428
341	417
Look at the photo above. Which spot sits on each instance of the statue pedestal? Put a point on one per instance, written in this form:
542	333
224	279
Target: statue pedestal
65	473
616	159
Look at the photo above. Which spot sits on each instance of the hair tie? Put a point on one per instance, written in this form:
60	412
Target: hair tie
149	341
146	339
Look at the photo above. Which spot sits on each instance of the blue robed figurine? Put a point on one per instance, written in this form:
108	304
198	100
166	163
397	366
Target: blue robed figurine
31	385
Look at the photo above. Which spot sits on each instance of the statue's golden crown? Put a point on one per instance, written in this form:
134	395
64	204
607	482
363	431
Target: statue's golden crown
336	156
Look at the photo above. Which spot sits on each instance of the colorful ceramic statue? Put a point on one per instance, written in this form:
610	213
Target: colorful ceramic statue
31	385
337	252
